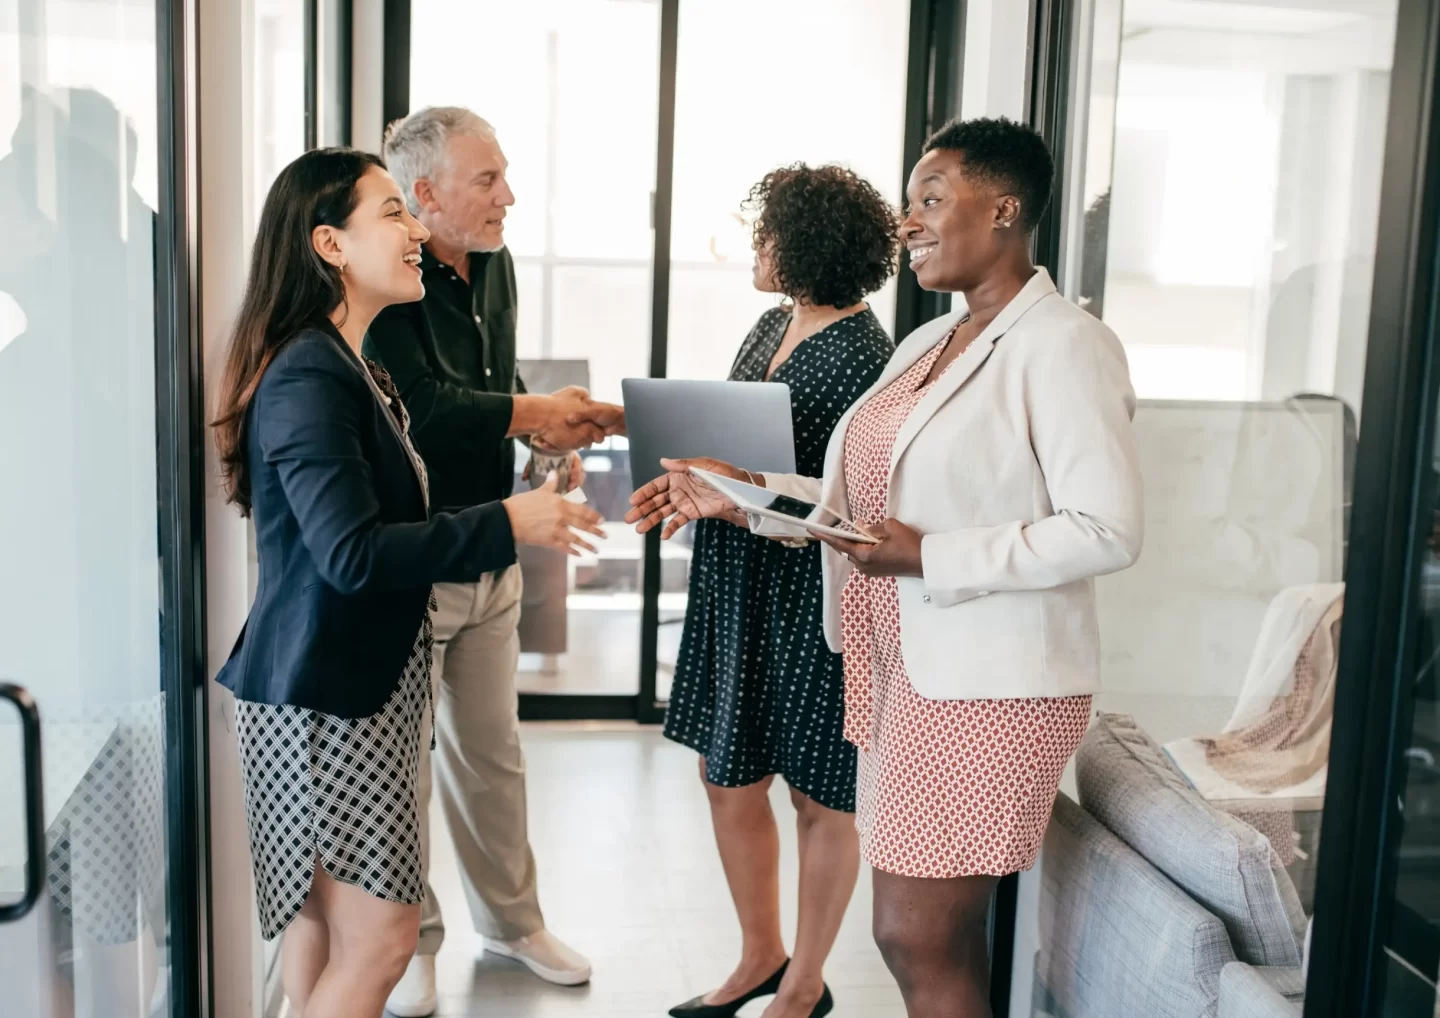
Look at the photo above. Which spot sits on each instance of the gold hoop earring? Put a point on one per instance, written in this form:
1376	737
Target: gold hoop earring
342	268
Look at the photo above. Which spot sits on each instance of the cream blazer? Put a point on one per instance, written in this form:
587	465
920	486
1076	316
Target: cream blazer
1019	468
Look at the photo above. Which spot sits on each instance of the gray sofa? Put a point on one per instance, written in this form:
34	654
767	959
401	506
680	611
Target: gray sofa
1154	904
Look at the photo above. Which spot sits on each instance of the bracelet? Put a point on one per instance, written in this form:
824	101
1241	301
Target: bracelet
751	478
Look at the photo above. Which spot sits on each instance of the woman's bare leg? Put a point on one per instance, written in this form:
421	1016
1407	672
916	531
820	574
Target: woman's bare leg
371	941
829	864
749	844
304	953
931	934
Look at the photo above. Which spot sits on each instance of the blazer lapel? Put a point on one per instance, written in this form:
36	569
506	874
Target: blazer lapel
969	362
416	466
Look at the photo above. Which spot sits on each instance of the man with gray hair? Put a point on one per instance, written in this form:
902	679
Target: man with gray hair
452	356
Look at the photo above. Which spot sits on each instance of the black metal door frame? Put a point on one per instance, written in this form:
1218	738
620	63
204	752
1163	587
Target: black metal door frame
1353	903
932	97
180	460
1355	883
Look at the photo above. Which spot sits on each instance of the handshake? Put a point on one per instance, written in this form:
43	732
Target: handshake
566	420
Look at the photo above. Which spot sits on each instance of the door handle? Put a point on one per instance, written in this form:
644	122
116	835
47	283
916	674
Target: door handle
34	802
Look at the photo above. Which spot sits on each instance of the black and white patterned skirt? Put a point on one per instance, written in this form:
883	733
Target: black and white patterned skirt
340	790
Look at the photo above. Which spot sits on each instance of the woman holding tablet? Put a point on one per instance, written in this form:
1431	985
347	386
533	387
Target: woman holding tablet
756	692
995	463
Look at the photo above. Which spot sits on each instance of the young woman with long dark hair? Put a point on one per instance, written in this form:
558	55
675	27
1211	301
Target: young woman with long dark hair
332	669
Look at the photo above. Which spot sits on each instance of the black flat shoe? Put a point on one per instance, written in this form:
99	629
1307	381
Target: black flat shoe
824	1005
697	1008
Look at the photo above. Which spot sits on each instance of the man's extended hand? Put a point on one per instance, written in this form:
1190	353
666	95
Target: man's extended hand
603	415
565	420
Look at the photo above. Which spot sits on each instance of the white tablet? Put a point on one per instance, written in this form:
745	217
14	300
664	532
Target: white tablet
772	506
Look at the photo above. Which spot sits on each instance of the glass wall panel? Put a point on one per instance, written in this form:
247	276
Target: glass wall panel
1223	180
80	601
832	91
572	89
277	78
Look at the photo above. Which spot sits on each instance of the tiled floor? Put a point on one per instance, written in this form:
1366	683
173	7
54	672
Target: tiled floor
629	875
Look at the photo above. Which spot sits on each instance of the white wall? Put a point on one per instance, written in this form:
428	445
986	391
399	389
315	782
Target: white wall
223	60
997	62
367	62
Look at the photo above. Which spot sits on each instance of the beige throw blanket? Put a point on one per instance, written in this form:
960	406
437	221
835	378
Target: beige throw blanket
1279	744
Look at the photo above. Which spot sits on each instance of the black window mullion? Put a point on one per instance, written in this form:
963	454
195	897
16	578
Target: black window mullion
311	19
395	72
1372	699
647	708
1048	109
932	96
180	473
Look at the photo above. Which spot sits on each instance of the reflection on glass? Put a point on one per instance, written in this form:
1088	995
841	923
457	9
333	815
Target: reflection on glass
79	606
1223	181
573	94
853	53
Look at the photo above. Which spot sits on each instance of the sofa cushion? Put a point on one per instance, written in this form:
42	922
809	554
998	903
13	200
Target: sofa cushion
1116	937
1127	783
1248	992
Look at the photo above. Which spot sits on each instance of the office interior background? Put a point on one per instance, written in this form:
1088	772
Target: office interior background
1246	192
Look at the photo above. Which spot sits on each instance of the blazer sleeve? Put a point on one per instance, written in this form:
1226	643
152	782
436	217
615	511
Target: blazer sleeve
309	424
1080	406
443	415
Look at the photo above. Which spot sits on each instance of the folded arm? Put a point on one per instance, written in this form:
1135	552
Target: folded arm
310	421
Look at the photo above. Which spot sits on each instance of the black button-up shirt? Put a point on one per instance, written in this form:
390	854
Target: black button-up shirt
452	356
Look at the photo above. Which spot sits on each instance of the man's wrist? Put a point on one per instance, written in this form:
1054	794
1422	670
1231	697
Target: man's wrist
528	414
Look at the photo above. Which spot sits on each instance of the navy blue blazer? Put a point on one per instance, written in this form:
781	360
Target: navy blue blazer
348	550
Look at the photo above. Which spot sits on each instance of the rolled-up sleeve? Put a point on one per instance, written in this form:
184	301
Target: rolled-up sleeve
1080	406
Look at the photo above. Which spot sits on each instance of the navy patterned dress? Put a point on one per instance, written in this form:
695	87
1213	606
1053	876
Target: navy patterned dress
756	690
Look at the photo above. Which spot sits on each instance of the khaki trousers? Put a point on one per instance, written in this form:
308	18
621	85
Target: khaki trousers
479	769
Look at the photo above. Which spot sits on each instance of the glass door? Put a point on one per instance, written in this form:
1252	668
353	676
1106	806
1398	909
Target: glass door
89	934
1220	204
854	55
1376	949
572	90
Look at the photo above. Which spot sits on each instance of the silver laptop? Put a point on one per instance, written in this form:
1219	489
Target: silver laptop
744	423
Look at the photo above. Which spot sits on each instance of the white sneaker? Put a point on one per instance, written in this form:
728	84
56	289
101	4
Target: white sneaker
414	996
546	955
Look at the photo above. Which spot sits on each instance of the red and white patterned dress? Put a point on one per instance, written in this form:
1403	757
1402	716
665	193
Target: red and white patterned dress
946	788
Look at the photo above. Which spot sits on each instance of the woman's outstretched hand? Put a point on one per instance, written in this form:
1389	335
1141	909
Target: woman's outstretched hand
544	519
680	497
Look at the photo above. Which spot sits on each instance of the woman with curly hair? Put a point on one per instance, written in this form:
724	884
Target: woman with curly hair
756	692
